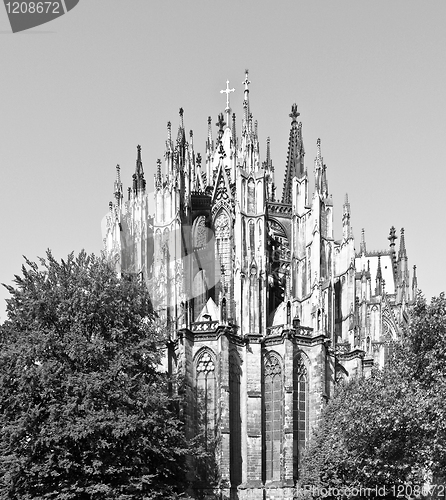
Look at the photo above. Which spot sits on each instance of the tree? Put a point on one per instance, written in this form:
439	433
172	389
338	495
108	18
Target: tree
85	412
388	429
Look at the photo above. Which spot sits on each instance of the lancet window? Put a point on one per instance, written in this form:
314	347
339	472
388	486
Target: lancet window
273	417
235	420
206	392
300	412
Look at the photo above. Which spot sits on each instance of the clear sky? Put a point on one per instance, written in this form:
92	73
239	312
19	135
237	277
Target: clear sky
80	93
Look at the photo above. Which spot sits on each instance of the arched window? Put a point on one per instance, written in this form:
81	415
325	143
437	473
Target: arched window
273	417
200	233
199	293
235	424
205	387
300	412
251	196
251	237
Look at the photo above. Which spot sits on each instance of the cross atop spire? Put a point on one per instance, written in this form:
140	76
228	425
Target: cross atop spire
227	91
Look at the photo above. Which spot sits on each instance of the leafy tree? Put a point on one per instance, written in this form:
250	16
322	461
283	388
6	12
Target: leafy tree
390	428
84	410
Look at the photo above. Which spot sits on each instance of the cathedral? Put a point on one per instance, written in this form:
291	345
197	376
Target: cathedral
264	310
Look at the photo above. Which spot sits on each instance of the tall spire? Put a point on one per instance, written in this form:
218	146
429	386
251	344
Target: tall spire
246	111
295	159
268	153
234	132
139	183
118	186
414	283
402	250
209	139
346	230
158	178
181	138
379	277
392	237
362	247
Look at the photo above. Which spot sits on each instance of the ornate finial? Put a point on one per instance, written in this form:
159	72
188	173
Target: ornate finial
118	174
139	152
294	113
221	122
392	235
227	92
246	81
181	111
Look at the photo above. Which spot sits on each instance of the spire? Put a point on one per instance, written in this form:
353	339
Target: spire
362	247
181	138
169	133
346	230
379	277
402	251
246	113
295	158
139	170
392	237
414	283
209	140
118	186
158	179
139	184
234	132
268	153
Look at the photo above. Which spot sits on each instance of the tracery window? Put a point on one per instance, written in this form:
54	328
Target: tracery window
273	417
300	413
205	386
200	233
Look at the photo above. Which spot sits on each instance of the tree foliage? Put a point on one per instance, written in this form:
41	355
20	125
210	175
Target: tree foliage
84	411
390	428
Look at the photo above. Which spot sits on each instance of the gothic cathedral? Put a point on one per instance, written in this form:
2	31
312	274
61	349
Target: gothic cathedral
264	310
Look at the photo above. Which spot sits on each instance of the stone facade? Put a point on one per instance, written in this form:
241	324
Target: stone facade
264	310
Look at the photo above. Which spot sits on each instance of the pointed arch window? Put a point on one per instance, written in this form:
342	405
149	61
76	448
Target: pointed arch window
300	412
199	292
273	417
235	424
200	233
251	196
205	387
